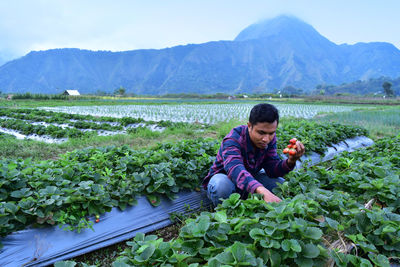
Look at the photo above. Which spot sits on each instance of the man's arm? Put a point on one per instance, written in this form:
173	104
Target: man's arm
275	167
234	166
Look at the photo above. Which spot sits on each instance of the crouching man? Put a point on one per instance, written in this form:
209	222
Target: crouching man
247	161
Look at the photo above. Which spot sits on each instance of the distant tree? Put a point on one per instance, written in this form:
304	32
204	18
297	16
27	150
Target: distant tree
387	87
291	90
101	93
120	91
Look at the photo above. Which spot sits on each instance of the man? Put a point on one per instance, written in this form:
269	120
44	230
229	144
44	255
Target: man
247	161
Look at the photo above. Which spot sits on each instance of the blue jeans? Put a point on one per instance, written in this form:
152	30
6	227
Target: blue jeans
220	186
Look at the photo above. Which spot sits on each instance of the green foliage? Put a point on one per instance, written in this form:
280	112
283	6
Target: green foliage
378	121
120	91
317	203
367	87
296	231
91	181
21	121
387	88
315	136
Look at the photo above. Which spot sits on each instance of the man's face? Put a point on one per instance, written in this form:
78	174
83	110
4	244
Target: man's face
262	133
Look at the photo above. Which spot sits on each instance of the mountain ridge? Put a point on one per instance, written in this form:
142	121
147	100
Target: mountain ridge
263	57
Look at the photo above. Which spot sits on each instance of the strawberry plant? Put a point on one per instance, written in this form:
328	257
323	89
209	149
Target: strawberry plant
278	234
91	181
316	137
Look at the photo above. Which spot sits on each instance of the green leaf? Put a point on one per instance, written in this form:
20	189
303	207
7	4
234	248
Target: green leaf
221	216
365	263
379	260
274	258
303	262
285	245
65	264
313	233
24	192
203	224
270	243
225	257
213	262
294	245
146	254
379	172
11	207
120	263
332	223
389	229
257	233
139	237
362	222
49	201
238	251
310	251
192	247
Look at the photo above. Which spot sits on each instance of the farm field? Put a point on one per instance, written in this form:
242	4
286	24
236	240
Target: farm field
324	206
205	113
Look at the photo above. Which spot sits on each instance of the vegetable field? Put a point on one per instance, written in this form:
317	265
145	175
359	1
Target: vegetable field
343	212
206	113
57	127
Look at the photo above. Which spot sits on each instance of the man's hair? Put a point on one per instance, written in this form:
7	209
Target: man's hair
263	113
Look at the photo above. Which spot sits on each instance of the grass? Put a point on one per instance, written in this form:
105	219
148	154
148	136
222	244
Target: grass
318	100
121	101
380	122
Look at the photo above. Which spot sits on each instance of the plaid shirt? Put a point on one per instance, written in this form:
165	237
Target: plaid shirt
241	161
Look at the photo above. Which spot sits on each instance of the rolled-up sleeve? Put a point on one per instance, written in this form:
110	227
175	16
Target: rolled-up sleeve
234	166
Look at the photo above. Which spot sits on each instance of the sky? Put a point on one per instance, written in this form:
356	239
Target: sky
120	25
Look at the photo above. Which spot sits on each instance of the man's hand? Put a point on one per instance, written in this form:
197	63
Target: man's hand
299	152
267	195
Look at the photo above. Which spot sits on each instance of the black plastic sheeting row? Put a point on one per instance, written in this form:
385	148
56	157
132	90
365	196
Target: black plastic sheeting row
45	246
347	145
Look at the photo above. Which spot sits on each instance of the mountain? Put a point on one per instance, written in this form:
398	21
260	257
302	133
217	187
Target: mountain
263	57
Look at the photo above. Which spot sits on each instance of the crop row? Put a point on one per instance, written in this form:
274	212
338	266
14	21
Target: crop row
316	136
345	212
92	181
203	113
76	120
57	117
40	122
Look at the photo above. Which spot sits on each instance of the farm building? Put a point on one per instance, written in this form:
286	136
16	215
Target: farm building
71	92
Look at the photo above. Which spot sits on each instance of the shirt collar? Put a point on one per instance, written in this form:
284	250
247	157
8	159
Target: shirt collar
249	144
